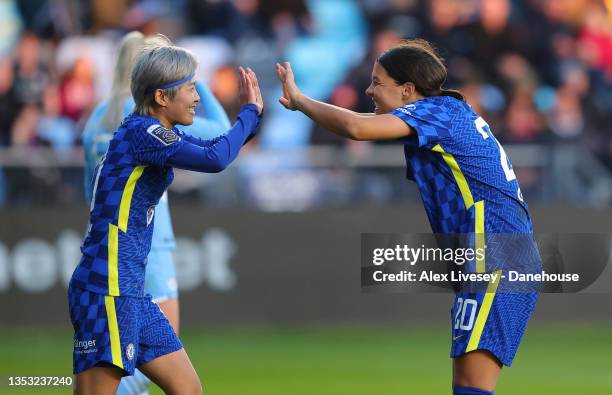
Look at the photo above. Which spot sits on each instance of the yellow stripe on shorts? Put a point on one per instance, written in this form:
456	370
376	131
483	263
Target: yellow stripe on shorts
113	329
483	314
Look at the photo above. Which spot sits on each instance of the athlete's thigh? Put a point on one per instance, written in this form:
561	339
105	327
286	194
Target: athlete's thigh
170	308
98	381
174	373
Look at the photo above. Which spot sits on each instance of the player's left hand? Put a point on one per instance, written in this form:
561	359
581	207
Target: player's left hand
291	93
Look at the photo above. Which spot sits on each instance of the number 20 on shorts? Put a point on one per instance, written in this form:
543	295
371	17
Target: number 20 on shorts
462	314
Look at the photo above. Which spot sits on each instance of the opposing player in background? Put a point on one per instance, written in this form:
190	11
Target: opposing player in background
160	277
466	183
117	327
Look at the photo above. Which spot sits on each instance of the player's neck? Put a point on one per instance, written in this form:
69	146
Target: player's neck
413	97
165	122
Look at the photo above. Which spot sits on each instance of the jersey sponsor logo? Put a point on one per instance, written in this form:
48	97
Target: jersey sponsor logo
407	108
163	135
84	346
129	351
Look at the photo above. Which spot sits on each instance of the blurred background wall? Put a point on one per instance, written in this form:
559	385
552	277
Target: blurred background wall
247	267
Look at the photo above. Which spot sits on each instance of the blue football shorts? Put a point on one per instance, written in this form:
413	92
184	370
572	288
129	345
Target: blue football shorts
494	316
122	331
160	276
490	321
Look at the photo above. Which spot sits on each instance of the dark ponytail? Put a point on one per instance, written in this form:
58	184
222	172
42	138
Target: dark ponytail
452	93
416	61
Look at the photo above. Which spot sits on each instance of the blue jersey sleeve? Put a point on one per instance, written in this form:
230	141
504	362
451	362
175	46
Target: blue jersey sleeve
200	142
154	144
214	155
429	118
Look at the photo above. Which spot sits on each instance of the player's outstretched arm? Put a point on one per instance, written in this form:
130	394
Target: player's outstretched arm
203	141
341	121
213	156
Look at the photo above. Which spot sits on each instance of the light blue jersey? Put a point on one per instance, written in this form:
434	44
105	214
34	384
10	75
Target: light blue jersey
95	143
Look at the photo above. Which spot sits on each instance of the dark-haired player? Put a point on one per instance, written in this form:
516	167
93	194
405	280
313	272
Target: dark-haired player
467	186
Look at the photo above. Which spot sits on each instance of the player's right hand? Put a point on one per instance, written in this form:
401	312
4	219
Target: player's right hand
291	93
248	88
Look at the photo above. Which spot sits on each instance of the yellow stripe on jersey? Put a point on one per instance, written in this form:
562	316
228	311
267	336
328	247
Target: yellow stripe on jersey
458	174
479	228
113	231
113	260
113	329
468	199
126	197
483	314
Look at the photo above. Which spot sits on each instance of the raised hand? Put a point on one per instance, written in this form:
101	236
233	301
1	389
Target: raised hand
291	93
255	85
248	88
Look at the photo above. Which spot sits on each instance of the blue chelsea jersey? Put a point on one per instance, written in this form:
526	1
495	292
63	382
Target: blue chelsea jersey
466	181
95	143
129	182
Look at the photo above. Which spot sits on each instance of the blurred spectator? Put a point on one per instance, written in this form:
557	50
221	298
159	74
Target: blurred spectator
10	21
54	129
523	122
30	74
8	106
53	18
595	39
76	89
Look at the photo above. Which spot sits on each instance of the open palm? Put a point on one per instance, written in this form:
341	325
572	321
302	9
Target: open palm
291	93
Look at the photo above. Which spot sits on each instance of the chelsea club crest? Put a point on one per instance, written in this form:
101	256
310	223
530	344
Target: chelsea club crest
129	351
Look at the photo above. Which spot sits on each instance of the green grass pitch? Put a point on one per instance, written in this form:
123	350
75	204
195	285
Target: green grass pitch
553	359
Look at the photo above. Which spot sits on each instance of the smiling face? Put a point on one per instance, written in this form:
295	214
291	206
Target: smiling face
181	108
384	91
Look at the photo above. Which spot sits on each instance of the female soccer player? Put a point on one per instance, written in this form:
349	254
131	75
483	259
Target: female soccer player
466	182
160	277
118	328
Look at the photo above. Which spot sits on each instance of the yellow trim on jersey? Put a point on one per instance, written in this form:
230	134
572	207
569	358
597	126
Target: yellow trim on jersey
483	314
468	199
126	198
479	228
458	174
113	260
113	329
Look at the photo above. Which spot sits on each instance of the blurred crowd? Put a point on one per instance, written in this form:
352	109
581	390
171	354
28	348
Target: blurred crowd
539	71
